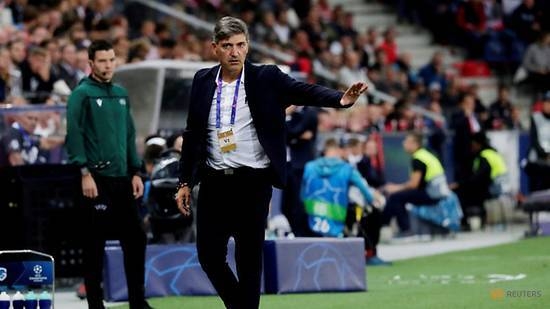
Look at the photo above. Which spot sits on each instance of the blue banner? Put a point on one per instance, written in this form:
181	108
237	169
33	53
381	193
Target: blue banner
26	273
315	265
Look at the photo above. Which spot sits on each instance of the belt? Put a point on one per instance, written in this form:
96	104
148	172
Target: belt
238	171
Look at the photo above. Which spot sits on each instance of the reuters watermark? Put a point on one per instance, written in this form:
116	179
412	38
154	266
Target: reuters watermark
499	294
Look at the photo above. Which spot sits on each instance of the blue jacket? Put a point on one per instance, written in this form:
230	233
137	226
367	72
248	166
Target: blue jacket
324	192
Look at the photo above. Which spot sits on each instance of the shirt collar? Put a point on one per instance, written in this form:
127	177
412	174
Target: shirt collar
224	83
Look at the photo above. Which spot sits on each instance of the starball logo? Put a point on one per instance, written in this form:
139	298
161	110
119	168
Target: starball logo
3	273
500	294
37	277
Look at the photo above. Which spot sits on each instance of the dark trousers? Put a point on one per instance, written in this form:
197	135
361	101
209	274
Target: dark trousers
293	207
395	206
233	205
370	226
538	172
472	198
113	215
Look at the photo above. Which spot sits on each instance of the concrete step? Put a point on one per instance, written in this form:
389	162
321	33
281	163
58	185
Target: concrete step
488	87
362	9
420	55
413	41
362	22
349	2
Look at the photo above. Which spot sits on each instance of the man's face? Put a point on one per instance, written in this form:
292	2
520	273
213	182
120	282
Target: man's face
38	61
28	121
103	65
18	52
409	144
231	52
69	54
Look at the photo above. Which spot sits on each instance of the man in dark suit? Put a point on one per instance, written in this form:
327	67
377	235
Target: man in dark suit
234	144
301	128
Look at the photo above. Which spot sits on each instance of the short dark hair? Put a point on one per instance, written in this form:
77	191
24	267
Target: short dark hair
229	26
481	139
417	137
352	142
97	46
331	143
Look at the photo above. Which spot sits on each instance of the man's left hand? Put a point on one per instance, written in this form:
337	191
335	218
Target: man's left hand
137	186
352	93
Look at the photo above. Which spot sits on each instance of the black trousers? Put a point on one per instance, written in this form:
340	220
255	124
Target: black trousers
395	206
293	207
233	203
113	215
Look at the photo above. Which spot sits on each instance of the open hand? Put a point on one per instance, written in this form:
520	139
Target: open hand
352	93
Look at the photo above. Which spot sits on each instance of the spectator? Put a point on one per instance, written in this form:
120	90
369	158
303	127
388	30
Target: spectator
427	184
21	146
525	21
281	26
472	23
442	22
38	76
369	47
434	71
82	61
18	51
389	46
479	109
537	63
500	111
67	67
10	77
264	30
538	166
351	71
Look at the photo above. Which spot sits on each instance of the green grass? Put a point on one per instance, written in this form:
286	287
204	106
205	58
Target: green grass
452	280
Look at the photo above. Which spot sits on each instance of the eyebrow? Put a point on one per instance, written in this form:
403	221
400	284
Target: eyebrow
231	44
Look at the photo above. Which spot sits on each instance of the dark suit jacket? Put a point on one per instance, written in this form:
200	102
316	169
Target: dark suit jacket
268	92
301	151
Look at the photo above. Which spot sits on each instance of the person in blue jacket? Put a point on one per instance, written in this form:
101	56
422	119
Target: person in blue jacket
324	192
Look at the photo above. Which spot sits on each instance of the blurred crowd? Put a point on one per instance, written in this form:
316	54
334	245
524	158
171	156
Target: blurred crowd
43	50
43	53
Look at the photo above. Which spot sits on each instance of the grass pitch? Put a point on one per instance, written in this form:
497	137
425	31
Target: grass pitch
514	275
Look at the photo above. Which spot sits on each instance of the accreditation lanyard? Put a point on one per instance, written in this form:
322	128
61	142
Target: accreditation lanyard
219	99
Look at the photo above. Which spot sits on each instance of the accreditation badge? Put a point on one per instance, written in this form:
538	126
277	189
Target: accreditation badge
227	141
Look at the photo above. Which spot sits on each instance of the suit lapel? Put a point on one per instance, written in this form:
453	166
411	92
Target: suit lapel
208	90
250	86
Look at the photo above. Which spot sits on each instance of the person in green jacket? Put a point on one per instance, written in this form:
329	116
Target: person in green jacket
101	141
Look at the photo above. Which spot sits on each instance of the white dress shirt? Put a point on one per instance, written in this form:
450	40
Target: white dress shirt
249	152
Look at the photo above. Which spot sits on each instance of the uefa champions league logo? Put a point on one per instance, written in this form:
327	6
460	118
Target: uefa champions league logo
37	270
3	273
38	277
